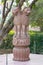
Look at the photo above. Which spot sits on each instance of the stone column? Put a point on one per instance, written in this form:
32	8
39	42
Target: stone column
21	40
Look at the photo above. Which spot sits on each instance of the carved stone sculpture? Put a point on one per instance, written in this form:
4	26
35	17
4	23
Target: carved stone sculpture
21	40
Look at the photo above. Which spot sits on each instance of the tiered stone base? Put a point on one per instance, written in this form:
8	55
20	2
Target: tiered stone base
21	54
21	50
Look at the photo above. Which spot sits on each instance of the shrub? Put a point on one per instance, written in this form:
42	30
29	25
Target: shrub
36	42
7	42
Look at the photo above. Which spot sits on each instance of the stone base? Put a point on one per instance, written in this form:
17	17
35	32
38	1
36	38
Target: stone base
21	54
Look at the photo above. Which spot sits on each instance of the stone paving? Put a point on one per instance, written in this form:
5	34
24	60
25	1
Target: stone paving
35	59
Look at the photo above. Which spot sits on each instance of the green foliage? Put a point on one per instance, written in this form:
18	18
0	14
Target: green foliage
36	42
7	42
36	16
17	1
4	0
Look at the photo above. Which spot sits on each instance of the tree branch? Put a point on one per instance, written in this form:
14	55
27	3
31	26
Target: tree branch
7	6
4	8
20	3
9	28
5	15
9	9
8	24
7	31
2	22
33	2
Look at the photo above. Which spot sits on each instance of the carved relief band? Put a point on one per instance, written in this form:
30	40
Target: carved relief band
21	40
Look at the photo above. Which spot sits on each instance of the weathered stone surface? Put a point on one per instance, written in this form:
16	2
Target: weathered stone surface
21	53
21	40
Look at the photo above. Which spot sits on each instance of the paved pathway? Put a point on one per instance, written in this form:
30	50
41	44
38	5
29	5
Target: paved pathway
34	60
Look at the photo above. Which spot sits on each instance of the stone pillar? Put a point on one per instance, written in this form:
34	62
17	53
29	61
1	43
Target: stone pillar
21	40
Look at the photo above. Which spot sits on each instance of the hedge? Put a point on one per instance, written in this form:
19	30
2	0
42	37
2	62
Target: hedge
36	42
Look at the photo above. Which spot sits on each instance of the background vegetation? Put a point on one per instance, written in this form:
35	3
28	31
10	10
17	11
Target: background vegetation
36	42
36	19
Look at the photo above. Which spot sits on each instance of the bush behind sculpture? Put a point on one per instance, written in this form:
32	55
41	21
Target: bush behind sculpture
36	42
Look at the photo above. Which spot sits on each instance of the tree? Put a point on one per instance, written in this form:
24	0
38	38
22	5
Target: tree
4	29
36	16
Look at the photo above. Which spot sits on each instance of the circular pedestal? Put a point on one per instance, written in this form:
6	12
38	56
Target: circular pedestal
21	53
